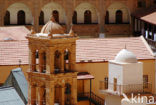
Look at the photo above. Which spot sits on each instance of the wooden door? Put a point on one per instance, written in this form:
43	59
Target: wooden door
80	86
115	84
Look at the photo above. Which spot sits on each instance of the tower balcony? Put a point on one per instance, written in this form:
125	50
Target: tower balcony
116	89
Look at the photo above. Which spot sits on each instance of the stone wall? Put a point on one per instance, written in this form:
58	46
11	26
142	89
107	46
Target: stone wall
98	8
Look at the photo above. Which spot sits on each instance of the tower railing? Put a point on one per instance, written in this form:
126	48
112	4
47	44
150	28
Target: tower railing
144	88
56	71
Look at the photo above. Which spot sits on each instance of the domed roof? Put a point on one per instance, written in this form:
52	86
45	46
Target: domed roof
52	27
125	56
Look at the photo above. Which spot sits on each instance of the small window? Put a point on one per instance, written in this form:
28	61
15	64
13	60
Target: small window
119	16
107	17
74	17
145	81
106	82
87	17
7	18
41	18
21	17
115	84
56	15
140	4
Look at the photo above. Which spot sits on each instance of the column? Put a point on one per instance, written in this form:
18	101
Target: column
102	16
1	18
32	59
63	95
41	61
50	61
148	30
32	94
139	26
50	90
2	12
133	25
62	61
152	32
72	57
74	91
144	31
40	95
69	11
36	15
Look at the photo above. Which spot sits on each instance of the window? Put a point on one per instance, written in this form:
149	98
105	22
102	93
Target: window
74	17
141	3
106	82
115	84
107	17
56	15
145	81
87	17
21	17
119	17
41	18
7	18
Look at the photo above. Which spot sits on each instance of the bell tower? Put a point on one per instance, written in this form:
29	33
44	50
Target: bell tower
51	77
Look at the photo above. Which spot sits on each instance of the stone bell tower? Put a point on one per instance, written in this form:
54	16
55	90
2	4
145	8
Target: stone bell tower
51	76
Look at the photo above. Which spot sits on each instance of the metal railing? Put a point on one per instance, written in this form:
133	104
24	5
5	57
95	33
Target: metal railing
151	42
93	98
37	68
127	89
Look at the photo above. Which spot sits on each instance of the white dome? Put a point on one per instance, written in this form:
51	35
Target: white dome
125	56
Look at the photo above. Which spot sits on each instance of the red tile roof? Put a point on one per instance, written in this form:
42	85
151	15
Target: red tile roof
106	49
13	51
147	15
15	32
96	50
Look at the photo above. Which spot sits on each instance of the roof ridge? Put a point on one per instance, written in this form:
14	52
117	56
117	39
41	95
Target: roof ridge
108	38
13	40
147	45
6	88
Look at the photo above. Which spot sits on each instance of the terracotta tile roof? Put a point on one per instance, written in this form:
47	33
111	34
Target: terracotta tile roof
13	51
147	15
96	50
15	32
107	48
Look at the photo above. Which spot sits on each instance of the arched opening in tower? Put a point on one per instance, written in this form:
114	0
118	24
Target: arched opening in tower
44	62
57	62
58	94
66	59
68	94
